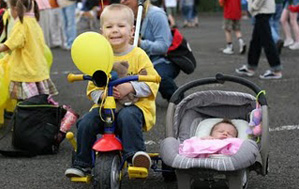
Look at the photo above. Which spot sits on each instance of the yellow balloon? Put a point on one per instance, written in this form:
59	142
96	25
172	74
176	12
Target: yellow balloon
91	52
49	56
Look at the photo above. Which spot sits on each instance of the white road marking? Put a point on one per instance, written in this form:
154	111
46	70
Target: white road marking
284	128
150	142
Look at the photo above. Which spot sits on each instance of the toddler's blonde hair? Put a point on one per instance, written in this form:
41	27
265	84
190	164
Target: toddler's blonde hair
118	7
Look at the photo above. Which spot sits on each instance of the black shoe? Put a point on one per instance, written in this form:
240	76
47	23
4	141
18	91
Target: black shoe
279	45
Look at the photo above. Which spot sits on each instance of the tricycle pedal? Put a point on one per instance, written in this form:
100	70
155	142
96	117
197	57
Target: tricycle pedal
85	179
137	172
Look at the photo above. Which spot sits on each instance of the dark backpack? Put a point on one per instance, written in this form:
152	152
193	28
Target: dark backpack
180	53
35	126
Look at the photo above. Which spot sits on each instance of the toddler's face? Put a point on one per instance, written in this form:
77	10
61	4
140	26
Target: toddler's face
223	131
117	30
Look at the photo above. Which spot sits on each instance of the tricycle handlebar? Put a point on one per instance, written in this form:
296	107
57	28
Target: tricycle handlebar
149	78
77	77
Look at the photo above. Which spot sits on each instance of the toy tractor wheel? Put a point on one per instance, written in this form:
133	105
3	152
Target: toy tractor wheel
107	171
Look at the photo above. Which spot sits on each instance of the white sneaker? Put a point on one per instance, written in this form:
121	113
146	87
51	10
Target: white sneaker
141	159
295	46
245	71
288	42
271	75
228	50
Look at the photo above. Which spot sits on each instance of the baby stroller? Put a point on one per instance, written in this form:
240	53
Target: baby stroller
196	114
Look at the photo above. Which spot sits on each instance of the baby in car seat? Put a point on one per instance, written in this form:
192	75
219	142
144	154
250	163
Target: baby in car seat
222	130
222	140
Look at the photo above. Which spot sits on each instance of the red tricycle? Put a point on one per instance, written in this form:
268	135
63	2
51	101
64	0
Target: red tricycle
108	163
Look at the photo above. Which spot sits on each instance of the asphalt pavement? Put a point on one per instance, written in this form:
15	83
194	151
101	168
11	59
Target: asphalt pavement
47	172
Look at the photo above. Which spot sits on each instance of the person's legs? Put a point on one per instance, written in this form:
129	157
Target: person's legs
228	36
69	15
44	22
238	33
57	36
286	27
185	15
227	26
295	27
87	129
190	16
130	121
168	73
268	43
255	47
195	13
275	22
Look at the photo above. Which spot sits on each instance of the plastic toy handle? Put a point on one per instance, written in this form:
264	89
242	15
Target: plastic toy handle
75	77
148	78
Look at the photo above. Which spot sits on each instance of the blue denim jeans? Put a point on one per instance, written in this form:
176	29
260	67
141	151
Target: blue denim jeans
167	72
129	121
275	22
70	29
187	12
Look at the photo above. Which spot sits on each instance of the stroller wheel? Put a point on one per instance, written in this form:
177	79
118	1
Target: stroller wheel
245	179
168	173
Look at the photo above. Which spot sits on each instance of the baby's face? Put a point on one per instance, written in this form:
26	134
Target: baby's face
223	131
117	30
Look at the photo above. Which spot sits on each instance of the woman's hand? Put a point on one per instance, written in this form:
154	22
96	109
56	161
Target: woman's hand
120	91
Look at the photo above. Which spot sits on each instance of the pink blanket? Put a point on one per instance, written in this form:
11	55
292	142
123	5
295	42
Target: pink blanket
196	147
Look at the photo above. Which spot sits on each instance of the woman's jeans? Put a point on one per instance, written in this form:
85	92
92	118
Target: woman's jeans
275	22
187	11
262	38
70	29
167	72
129	121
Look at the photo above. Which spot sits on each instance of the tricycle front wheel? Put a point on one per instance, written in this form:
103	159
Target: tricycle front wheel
107	171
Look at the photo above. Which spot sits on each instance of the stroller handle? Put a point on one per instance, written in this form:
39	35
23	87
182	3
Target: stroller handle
218	79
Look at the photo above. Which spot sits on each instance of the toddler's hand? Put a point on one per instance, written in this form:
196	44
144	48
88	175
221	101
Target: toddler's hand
120	91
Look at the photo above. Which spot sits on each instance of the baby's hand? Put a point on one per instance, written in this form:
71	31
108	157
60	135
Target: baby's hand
120	91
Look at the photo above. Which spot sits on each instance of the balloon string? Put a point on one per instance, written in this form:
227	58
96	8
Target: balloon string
102	102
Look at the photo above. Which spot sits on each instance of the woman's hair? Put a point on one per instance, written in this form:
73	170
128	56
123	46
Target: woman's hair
24	6
227	121
119	7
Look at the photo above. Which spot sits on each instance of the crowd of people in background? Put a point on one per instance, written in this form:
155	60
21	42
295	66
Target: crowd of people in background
275	25
59	18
